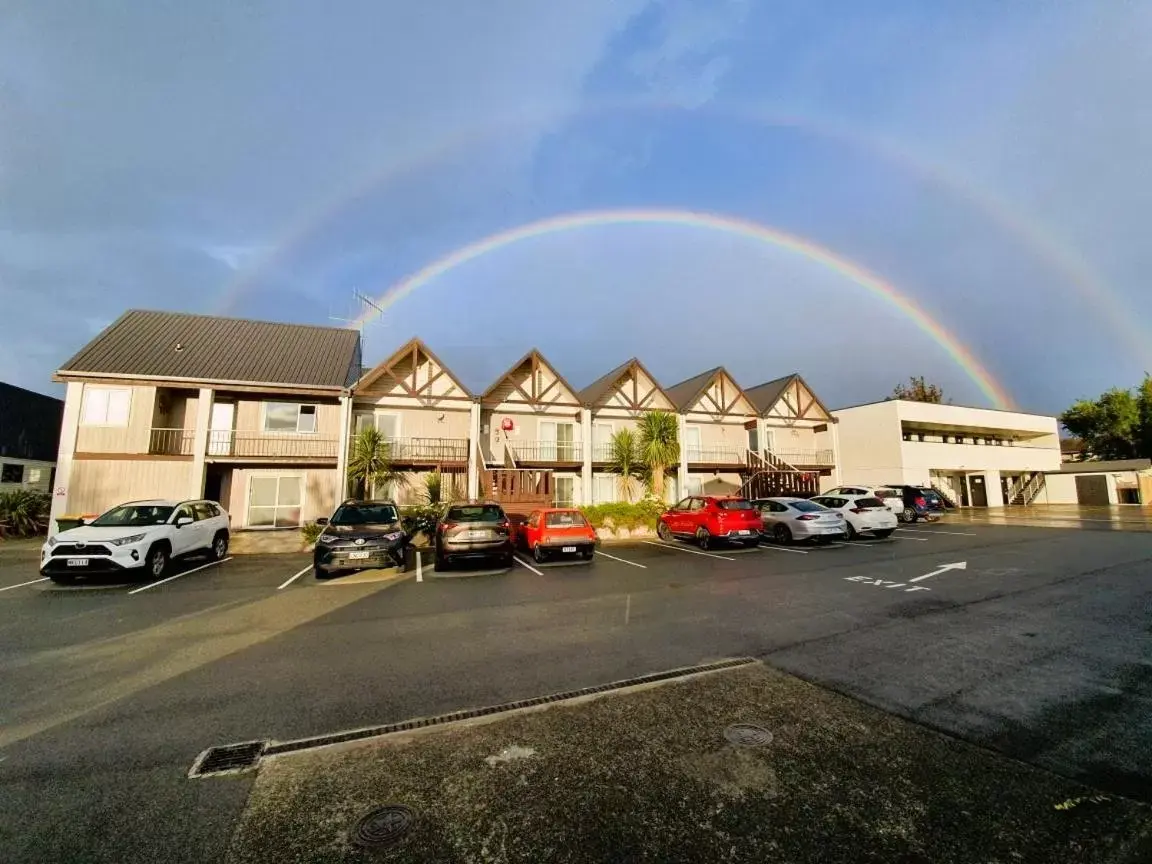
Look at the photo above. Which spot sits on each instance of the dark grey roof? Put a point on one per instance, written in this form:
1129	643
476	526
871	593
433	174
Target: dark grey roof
595	391
764	396
1104	467
29	424
686	393
144	343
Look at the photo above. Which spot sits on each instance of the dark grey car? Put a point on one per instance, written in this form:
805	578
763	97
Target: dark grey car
473	530
360	535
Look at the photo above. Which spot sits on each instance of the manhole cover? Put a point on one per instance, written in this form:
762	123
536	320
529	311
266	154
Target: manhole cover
382	826
747	735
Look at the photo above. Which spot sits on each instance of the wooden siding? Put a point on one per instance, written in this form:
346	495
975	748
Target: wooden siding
133	438
319	491
97	485
418	422
41	484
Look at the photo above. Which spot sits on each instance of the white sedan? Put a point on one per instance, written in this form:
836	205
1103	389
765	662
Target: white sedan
788	519
863	515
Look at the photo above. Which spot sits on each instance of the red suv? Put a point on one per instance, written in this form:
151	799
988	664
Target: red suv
706	518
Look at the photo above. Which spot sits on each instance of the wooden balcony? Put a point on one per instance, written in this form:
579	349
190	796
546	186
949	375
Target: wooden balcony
171	442
550	453
271	446
714	458
806	458
428	451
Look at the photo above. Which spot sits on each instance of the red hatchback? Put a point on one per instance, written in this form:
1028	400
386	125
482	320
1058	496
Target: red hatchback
557	531
707	518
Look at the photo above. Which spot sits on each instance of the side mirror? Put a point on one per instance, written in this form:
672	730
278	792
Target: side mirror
183	520
82	521
323	520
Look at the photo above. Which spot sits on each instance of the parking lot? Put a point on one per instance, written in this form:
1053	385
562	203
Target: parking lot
1034	641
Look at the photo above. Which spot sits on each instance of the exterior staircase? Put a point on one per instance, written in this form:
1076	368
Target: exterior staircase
769	476
945	496
1024	491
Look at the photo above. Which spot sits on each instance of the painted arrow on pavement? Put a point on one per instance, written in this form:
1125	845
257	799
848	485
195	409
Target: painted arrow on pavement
959	565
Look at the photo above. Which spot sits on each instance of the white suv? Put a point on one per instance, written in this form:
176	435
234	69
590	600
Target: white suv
141	536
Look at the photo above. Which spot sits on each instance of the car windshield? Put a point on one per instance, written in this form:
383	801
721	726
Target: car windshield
134	515
739	504
869	502
565	519
805	506
474	513
365	514
929	495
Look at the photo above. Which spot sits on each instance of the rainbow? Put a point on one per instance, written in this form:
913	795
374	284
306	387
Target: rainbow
732	225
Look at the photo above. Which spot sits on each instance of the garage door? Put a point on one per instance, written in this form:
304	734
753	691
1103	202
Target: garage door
1092	489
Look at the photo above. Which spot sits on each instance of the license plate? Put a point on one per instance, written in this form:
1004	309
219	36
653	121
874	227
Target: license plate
567	548
475	535
77	562
743	531
359	554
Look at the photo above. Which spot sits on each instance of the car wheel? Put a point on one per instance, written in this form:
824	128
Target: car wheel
663	532
782	534
506	560
883	533
317	573
703	538
219	545
402	563
156	561
538	554
909	514
439	562
587	554
852	533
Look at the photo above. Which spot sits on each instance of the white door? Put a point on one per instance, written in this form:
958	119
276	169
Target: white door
692	445
547	441
769	440
185	538
220	428
601	441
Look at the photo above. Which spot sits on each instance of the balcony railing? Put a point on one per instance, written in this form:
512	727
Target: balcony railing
279	445
601	452
547	451
171	442
806	458
714	455
428	449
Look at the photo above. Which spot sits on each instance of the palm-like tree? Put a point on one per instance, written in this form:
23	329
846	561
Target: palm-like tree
624	460
659	434
370	462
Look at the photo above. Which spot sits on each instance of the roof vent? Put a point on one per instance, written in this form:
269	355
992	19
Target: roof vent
179	347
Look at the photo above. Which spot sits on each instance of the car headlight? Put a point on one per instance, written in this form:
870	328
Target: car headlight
52	541
126	541
395	535
328	538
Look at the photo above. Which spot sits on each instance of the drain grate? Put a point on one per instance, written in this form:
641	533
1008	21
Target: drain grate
229	759
382	827
261	749
747	735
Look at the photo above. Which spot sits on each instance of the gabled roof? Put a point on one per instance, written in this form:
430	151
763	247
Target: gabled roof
765	396
687	393
414	346
598	389
206	348
535	357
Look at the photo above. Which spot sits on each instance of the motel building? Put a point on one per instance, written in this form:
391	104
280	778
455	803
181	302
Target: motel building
974	457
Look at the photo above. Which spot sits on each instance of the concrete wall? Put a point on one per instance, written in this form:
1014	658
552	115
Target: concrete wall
97	485
870	444
37	475
1044	427
920	457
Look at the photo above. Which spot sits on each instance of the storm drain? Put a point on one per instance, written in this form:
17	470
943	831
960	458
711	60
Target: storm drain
747	735
382	827
229	759
253	751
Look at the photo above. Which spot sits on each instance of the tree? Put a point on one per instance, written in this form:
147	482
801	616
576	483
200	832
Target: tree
370	463
1117	425
659	434
918	391
624	460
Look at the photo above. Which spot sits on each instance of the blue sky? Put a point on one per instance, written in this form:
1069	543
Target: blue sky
269	158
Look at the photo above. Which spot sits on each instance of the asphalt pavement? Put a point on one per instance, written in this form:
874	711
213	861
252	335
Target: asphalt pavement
1033	641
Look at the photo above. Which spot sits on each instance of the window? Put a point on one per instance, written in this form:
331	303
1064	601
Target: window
475	513
565	487
274	502
289	417
572	519
683	505
134	515
34	475
735	504
604	488
694	486
11	473
388	425
692	446
184	511
805	506
697	504
104	406
365	514
558	442
866	503
203	510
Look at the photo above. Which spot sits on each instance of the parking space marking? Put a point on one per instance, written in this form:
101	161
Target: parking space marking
516	558
689	551
622	560
913	539
781	549
22	584
935	531
419	567
180	575
294	578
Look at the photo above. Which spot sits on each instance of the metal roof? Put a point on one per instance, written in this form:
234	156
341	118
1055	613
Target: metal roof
764	396
177	345
598	389
687	393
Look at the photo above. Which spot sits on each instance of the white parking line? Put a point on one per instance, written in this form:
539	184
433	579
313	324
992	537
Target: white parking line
516	558
419	567
936	531
914	539
622	560
781	549
689	551
294	578
180	575
22	584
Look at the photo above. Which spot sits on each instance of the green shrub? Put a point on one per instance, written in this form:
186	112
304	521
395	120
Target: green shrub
311	533
415	517
642	514
24	513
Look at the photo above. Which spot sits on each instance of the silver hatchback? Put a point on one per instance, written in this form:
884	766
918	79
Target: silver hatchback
788	519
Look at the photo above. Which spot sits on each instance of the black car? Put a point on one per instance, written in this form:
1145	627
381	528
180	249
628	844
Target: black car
358	536
920	502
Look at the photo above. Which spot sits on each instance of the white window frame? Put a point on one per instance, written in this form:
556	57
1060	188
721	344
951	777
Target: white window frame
699	430
251	475
106	394
567	478
264	430
612	481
